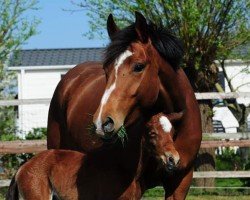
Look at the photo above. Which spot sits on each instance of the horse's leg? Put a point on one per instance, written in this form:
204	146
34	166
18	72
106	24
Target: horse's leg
177	186
133	192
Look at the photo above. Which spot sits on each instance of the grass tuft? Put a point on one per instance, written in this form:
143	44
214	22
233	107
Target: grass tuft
91	128
122	135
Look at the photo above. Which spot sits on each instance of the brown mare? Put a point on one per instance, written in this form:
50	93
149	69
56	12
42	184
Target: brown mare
140	76
67	173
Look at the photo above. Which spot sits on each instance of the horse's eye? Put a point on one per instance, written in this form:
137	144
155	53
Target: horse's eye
138	67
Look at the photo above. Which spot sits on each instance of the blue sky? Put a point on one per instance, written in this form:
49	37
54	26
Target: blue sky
60	29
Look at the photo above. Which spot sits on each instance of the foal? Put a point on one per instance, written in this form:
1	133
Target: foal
160	139
58	172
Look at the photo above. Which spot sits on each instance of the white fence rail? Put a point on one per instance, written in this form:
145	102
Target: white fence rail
18	102
222	95
227	136
199	96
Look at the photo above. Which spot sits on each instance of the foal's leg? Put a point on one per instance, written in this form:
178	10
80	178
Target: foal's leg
35	192
33	187
177	186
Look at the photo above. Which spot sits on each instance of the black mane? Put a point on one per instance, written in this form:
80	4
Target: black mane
168	45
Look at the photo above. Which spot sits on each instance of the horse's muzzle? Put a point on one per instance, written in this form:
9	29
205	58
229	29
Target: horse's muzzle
108	126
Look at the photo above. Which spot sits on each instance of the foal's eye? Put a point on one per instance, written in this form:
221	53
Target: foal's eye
138	67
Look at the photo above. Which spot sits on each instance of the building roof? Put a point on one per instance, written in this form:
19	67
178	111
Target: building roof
52	57
68	56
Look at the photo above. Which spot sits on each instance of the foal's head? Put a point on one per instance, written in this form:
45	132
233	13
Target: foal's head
132	66
160	139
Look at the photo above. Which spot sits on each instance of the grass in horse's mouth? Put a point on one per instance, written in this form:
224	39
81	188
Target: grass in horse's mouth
91	128
121	133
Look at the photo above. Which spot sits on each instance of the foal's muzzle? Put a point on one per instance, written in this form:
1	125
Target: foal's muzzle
171	163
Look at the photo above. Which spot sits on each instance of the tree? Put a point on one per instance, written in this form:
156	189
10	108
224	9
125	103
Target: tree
15	29
209	30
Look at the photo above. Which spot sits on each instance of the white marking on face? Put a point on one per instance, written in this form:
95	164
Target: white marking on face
163	158
119	61
165	124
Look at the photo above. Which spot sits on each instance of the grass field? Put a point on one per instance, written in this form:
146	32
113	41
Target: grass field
205	197
190	197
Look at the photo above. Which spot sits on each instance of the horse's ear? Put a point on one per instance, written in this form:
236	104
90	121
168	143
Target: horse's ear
111	26
174	117
141	27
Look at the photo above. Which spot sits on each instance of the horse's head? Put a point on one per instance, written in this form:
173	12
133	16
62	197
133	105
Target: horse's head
160	139
132	67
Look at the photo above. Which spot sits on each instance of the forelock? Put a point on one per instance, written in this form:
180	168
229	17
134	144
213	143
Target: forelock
168	45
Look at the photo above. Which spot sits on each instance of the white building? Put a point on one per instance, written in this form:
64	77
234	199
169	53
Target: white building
239	73
40	70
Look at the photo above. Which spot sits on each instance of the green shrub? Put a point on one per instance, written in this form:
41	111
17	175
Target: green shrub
11	162
36	134
229	160
8	137
246	181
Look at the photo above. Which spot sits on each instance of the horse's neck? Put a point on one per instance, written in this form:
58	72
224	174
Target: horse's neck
176	90
181	97
123	156
132	152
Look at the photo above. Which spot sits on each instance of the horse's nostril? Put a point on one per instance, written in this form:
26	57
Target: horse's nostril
108	125
171	160
170	164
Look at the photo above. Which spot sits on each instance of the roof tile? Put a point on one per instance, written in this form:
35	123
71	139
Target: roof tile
47	57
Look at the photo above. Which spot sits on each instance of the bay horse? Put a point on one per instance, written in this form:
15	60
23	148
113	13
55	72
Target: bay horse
74	175
140	76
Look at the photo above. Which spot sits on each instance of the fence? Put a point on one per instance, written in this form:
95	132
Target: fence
33	113
34	146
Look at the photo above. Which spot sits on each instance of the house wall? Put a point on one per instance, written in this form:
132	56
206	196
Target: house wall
35	84
240	75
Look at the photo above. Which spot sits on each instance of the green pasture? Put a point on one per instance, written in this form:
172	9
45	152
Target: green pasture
205	197
157	197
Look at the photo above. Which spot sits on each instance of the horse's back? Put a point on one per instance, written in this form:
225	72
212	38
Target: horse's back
75	99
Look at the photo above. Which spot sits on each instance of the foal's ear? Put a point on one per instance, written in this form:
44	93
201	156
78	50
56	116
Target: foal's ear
111	26
141	27
174	117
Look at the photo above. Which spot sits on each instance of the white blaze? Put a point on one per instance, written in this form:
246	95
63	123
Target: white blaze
165	124
119	61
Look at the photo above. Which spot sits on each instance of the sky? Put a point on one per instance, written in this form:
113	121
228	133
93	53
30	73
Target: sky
59	28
